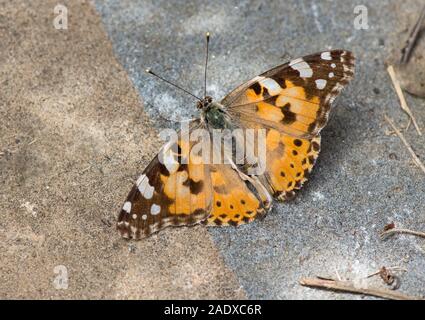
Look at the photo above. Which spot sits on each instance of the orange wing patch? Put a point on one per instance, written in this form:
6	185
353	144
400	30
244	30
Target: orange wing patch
289	161
233	202
186	187
290	109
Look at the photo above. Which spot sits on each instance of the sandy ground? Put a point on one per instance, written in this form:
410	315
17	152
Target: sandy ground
75	134
364	178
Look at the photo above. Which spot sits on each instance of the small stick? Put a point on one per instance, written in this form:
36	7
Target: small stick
106	222
388	268
337	274
408	124
391	132
348	286
403	102
403	139
410	43
86	169
389	232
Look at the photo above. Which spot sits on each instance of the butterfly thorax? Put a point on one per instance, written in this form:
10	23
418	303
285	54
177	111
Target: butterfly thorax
213	114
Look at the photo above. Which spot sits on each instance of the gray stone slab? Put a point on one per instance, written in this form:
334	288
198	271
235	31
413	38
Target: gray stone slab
364	178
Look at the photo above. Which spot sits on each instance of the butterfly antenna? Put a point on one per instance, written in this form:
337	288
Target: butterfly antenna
173	84
207	35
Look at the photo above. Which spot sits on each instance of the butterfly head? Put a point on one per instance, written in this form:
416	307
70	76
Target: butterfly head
205	103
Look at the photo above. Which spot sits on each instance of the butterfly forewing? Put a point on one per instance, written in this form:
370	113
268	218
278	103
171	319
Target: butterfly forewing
170	192
293	98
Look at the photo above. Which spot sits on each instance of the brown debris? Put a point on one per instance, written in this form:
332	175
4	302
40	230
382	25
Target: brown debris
389	226
416	159
413	36
393	231
402	99
350	287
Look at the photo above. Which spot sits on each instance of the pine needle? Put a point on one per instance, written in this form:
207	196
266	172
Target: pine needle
400	95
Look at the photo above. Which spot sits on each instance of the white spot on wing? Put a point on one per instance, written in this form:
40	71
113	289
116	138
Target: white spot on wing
144	217
326	55
333	65
271	85
302	67
331	75
155	209
144	187
169	161
127	206
320	84
134	216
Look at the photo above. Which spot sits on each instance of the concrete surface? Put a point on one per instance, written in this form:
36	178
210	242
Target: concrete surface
74	133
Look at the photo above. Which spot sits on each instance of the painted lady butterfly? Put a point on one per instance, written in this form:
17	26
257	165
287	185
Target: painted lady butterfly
291	102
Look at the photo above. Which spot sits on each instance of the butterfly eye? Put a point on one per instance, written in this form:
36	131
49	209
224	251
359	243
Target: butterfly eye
209	99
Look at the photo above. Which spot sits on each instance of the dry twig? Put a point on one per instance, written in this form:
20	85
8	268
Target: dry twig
389	278
409	148
106	222
383	269
348	286
410	43
403	102
390	232
33	141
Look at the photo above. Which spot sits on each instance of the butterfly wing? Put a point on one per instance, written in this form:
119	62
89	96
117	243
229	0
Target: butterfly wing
289	162
170	192
292	102
237	198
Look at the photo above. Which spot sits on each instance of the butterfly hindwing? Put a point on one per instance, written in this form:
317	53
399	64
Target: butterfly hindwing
237	198
289	163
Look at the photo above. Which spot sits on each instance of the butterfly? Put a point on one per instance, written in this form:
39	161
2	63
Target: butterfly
290	102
